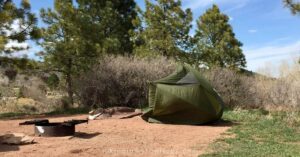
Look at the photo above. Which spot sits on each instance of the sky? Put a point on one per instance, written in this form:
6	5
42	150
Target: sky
268	30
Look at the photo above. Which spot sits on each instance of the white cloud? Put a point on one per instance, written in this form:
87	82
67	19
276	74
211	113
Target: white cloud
15	28
252	30
13	43
197	4
236	6
258	57
30	52
279	41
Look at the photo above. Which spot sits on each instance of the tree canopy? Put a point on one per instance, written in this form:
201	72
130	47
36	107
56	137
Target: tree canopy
216	44
17	24
80	31
165	30
85	29
294	6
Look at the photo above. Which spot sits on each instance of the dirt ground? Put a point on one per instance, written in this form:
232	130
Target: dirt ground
115	137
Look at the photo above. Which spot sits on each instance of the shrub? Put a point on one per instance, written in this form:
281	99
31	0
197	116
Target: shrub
52	81
65	103
123	81
235	88
257	91
4	80
120	80
35	89
11	73
19	92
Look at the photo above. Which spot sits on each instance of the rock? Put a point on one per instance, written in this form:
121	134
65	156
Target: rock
93	117
16	139
137	110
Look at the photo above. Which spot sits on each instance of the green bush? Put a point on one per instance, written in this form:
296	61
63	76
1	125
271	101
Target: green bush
52	81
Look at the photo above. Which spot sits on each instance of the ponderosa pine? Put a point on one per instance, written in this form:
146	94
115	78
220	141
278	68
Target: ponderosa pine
216	43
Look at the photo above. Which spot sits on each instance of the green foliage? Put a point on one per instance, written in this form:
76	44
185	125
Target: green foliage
13	66
88	28
20	17
52	81
293	5
216	43
80	31
106	25
259	133
61	40
20	64
64	49
166	30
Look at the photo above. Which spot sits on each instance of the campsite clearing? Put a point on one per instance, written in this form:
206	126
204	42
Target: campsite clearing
115	137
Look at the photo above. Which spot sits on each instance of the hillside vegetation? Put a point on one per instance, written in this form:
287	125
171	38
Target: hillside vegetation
122	81
104	53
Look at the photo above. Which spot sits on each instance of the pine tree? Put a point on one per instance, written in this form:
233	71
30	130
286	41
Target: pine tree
107	23
216	43
294	6
166	29
22	19
79	32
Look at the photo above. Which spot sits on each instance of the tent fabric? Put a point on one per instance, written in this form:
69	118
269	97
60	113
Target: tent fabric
183	97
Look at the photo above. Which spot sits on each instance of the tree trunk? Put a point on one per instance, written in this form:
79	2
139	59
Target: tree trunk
69	82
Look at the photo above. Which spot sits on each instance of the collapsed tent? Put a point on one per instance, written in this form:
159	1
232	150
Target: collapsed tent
183	97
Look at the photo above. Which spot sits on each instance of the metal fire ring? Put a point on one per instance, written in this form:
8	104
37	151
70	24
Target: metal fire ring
54	130
57	129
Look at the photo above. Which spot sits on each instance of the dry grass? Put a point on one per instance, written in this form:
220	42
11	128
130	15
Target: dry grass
26	94
258	91
27	105
121	80
236	89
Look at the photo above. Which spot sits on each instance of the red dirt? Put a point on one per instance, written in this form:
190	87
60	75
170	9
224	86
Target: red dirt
115	138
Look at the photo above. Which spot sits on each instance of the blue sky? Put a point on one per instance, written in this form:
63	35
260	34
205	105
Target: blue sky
266	28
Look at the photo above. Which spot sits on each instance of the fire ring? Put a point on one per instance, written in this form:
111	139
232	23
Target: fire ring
46	129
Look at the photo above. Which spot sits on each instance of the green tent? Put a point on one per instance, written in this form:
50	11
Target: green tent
183	97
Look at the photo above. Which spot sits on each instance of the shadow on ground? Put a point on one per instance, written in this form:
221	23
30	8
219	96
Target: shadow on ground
84	135
8	148
223	123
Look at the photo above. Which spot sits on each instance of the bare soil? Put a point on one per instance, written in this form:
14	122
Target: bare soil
115	137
